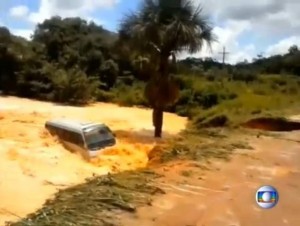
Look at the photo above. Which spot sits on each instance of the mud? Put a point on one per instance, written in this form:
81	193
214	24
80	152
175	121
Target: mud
272	124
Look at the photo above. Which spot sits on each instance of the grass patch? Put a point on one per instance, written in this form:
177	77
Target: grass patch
96	202
202	145
225	102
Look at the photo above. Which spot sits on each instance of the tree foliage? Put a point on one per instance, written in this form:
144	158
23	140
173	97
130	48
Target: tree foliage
66	61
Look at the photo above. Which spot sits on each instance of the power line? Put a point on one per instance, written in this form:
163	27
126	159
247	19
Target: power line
224	53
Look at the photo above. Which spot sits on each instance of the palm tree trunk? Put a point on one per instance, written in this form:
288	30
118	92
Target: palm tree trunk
158	111
158	121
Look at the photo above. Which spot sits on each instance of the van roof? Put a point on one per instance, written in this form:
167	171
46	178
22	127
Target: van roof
74	125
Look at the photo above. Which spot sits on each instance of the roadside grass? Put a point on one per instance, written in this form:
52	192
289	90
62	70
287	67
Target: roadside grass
200	146
268	96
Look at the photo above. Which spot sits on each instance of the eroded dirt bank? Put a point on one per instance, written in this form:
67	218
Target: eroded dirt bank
33	165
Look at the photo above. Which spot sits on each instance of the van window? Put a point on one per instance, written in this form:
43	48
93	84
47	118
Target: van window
96	137
71	137
76	138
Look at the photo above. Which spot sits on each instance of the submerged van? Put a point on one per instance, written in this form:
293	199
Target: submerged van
85	138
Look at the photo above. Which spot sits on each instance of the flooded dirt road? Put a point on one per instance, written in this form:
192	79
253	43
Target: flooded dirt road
33	165
225	195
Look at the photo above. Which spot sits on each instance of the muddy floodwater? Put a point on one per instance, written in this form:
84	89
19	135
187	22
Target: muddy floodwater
34	165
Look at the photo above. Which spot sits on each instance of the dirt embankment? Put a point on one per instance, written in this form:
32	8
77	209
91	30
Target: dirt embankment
33	165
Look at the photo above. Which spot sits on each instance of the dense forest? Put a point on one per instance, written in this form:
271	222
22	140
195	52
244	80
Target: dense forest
72	61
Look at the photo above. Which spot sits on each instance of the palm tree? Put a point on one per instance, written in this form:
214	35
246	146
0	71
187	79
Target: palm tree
159	30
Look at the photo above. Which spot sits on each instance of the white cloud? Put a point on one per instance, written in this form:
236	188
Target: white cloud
283	46
69	8
19	11
265	19
96	20
25	33
63	8
228	36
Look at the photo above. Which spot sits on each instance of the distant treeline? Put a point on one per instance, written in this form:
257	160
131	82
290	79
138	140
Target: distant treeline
288	63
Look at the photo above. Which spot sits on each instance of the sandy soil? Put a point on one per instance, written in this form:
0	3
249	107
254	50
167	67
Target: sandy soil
225	195
33	165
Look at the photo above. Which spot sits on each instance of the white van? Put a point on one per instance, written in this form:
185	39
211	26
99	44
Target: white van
85	138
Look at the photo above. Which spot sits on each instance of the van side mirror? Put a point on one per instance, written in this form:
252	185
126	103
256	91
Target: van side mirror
115	135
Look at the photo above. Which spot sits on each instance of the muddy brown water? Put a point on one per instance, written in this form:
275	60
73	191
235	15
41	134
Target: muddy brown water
34	166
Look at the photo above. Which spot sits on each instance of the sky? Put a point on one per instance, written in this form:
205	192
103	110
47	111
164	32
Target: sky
244	28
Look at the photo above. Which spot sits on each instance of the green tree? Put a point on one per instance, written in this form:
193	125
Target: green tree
160	30
72	42
293	49
73	86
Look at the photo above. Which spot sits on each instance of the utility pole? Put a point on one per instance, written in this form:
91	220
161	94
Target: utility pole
224	53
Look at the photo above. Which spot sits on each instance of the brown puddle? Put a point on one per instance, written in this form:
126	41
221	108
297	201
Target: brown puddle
272	124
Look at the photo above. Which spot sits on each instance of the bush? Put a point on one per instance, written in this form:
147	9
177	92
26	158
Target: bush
105	96
244	75
73	86
130	95
212	94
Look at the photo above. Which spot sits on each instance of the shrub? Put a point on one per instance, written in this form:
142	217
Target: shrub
130	95
105	96
244	75
212	95
73	86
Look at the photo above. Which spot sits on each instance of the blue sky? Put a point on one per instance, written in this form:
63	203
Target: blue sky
245	28
113	17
